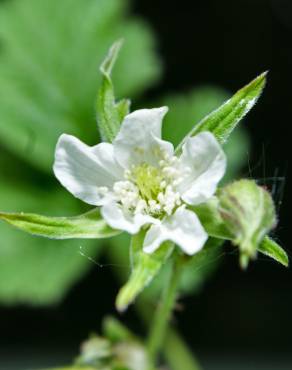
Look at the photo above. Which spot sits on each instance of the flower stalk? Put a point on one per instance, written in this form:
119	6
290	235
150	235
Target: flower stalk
163	313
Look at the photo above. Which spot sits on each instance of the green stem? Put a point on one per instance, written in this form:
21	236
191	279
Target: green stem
175	350
177	353
162	316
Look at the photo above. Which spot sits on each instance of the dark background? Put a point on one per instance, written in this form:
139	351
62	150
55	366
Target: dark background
226	43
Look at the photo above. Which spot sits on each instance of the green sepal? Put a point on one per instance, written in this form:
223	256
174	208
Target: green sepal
211	219
144	268
248	212
222	121
272	249
89	225
122	108
110	113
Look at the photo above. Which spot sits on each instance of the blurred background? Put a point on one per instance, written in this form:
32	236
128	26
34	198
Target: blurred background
190	55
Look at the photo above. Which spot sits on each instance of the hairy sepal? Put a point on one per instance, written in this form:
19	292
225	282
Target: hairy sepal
89	225
110	113
144	268
222	121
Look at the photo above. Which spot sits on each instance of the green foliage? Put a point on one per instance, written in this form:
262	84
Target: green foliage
272	249
89	225
144	269
109	113
35	270
185	109
223	120
53	92
48	84
49	78
210	217
115	331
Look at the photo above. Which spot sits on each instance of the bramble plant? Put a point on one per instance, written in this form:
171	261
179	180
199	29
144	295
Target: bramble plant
170	202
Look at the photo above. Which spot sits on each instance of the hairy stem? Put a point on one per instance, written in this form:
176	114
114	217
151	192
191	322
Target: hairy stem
175	350
162	316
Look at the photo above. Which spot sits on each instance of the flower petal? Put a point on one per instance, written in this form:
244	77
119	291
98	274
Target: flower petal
119	219
183	228
206	161
139	139
82	169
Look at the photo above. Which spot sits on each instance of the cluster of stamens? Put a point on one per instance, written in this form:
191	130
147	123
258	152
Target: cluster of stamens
150	190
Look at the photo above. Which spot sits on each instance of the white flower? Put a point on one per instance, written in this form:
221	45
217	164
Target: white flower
138	181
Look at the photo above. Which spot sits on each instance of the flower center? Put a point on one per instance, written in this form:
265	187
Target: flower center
150	190
148	179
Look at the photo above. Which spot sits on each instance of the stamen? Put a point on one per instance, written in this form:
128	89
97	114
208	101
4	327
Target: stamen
151	190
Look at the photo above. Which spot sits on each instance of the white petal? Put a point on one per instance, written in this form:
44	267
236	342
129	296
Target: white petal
206	161
183	228
139	139
82	169
117	218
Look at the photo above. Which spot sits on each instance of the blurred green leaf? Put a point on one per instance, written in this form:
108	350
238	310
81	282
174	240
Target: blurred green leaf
109	113
48	84
76	367
272	249
89	225
34	270
144	268
223	120
49	78
115	331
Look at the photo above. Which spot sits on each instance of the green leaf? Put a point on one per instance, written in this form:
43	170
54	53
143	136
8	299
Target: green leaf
191	107
123	108
89	225
75	367
212	220
272	249
144	268
223	120
248	212
115	331
49	78
35	270
110	59
48	84
109	113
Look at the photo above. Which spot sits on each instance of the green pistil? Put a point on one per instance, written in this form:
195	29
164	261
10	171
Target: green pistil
148	180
